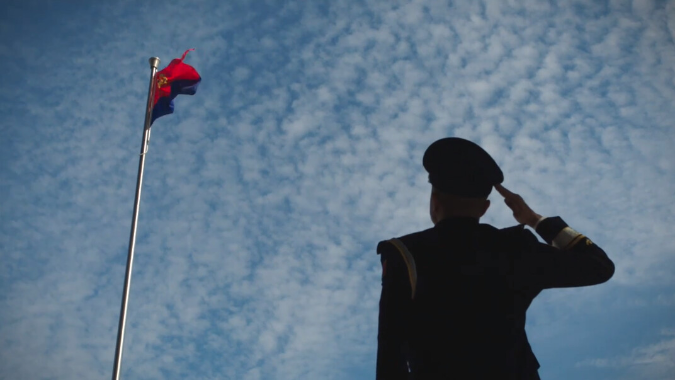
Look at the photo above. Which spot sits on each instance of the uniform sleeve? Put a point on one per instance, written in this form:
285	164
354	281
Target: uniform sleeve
570	259
394	305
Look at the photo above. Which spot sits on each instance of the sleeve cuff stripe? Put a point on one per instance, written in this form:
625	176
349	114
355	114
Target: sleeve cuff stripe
566	238
574	242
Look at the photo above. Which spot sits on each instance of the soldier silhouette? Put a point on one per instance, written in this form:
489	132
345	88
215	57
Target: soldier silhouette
454	297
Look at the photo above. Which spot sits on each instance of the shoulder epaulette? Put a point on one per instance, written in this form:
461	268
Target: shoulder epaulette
407	258
514	229
517	237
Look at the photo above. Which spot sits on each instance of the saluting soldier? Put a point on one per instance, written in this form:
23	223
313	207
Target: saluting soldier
454	297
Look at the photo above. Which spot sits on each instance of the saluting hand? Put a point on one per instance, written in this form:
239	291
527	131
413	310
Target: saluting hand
521	211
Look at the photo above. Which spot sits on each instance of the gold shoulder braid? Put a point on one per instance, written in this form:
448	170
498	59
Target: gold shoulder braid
409	262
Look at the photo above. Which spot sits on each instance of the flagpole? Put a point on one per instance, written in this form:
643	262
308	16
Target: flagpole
154	62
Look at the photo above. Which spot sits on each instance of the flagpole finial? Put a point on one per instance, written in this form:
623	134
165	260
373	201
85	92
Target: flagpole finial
154	62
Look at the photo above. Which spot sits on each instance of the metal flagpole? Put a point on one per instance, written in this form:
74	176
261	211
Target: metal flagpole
154	62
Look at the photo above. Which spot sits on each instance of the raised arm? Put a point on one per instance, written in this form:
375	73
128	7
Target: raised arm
570	259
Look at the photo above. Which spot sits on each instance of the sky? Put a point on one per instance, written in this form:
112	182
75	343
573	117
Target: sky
266	193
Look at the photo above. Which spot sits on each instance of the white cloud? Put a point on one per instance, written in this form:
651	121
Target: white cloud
266	193
652	361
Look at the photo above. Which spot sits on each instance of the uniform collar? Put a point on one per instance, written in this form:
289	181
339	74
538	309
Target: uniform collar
457	221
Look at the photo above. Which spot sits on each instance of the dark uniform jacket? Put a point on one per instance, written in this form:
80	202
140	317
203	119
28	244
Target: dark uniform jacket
454	297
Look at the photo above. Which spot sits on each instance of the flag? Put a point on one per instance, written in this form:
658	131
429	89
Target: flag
176	79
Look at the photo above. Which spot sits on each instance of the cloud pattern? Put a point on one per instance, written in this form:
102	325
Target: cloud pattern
266	193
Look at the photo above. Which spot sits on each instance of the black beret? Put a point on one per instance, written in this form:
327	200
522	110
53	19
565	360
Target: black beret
460	167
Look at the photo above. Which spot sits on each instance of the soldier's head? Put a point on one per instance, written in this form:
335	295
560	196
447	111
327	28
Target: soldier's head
462	175
444	205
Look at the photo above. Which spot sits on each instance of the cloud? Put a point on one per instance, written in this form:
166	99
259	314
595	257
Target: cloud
266	193
653	361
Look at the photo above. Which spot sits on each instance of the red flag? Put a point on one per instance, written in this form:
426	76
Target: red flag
175	79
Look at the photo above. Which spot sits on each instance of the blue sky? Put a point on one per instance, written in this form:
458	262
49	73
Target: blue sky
266	193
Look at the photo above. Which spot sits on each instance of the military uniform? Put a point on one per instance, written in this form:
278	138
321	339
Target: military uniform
454	297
